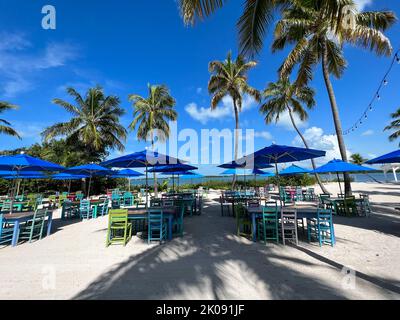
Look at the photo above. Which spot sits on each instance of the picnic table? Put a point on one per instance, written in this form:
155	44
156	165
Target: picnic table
142	213
19	217
303	212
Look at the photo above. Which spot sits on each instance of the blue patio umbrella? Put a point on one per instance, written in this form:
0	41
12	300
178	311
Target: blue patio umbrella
23	162
392	157
183	173
172	168
340	166
275	154
246	163
142	159
90	170
69	176
126	173
293	170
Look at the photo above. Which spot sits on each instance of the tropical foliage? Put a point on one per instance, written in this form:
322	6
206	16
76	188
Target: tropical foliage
394	126
357	158
94	122
5	126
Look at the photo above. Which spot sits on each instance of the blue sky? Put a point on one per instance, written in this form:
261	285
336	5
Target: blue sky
123	45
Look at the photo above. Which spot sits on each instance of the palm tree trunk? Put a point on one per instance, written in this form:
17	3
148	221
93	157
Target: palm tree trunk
336	117
154	173
236	139
307	147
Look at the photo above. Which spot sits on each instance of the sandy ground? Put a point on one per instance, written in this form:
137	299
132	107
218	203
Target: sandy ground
210	262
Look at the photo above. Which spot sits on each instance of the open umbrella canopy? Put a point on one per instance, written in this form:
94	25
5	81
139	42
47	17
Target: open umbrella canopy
293	170
141	159
191	175
90	169
233	171
246	163
392	157
126	173
69	176
281	154
12	175
259	172
178	173
24	162
173	168
339	166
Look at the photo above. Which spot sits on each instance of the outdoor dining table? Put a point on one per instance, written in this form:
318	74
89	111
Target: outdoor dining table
168	213
19	217
303	212
94	203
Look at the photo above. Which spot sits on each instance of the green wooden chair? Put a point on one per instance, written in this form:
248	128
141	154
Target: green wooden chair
119	229
177	223
34	228
243	221
267	227
6	232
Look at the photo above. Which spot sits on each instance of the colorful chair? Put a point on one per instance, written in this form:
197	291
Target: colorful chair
177	223
6	233
103	208
128	199
85	210
321	228
243	221
289	225
115	200
119	229
268	225
157	229
34	228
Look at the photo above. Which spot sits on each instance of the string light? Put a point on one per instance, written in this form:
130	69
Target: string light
376	96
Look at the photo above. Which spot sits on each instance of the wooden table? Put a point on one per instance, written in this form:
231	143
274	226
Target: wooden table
168	213
93	202
17	218
303	212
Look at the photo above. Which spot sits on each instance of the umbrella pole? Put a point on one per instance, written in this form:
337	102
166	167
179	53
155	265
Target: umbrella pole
147	187
90	182
173	183
338	179
278	182
69	186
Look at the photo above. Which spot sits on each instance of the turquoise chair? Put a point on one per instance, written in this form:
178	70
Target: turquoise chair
85	210
321	228
34	228
156	227
177	223
6	207
299	194
69	210
128	199
104	207
268	225
6	233
115	200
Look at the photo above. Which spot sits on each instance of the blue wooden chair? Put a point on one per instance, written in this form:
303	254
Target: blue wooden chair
157	228
155	203
103	208
128	199
34	228
79	196
299	194
6	232
6	207
177	223
268	224
321	228
85	210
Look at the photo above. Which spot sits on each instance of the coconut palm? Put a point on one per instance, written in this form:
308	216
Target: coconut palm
284	97
151	115
357	158
229	78
94	122
394	125
318	40
5	126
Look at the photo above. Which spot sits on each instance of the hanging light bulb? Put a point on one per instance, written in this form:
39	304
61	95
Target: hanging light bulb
397	58
370	108
365	116
385	82
378	96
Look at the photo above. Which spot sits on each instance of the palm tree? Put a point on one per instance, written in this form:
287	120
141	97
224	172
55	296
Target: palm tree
394	125
283	97
357	158
5	126
152	113
308	25
229	78
94	122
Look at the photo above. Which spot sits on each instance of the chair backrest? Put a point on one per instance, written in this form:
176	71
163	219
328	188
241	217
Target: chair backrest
39	216
324	215
118	215
240	211
340	195
254	203
6	206
79	196
270	214
167	203
289	215
127	195
84	205
155	215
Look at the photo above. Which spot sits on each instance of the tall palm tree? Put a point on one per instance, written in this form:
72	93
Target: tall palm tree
229	78
318	40
5	126
151	114
394	125
94	122
282	97
357	158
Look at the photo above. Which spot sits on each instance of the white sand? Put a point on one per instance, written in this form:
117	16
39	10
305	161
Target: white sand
210	262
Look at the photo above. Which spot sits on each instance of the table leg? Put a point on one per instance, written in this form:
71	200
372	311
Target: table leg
95	211
253	227
49	223
170	227
14	240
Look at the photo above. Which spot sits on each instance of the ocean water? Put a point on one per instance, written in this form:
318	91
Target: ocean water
370	177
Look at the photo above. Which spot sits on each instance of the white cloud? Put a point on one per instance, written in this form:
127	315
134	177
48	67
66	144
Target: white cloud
18	68
286	123
361	4
224	110
263	134
316	139
368	133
